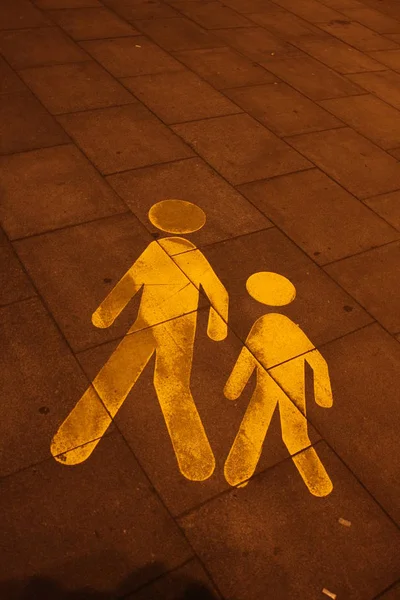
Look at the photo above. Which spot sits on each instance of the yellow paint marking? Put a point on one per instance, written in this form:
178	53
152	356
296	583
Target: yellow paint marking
275	340
166	326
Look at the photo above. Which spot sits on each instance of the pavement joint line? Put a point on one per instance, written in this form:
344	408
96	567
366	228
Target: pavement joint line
7	304
338	260
388	589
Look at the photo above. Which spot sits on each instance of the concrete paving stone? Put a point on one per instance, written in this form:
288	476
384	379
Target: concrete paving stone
211	15
390	58
392	594
189	581
14	284
177	34
372	279
387	206
180	96
364	370
385	85
310	10
20	14
278	541
228	213
322	309
75	269
241	149
141	422
337	55
97	525
75	87
311	78
339	4
122	138
393	36
357	35
355	162
40	379
284	24
63	4
282	109
51	188
373	19
250	6
9	80
124	57
37	47
26	125
224	67
369	116
141	9
319	216
256	43
91	23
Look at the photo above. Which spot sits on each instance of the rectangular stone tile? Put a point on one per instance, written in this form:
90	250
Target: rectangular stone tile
20	14
256	43
283	110
370	116
311	78
390	58
373	19
14	283
91	23
60	4
180	96
26	124
364	372
224	68
337	55
141	9
75	87
310	10
372	279
122	138
177	34
385	85
75	269
284	24
113	534
322	309
124	57
356	163
319	216
241	149
211	15
387	206
41	381
51	188
340	4
9	80
277	537
36	47
357	35
228	213
250	6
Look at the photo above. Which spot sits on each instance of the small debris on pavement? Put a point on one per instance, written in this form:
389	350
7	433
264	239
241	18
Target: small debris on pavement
329	594
345	522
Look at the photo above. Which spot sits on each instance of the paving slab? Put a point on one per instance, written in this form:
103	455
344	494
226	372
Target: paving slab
390	58
311	78
38	47
387	206
75	269
177	34
327	222
250	6
60	4
228	213
357	35
75	87
9	80
52	188
256	43
179	97
322	309
21	14
385	85
310	10
371	278
122	138
27	125
224	67
373	19
254	545
240	148
14	283
211	15
124	57
284	24
352	160
141	9
282	109
91	23
96	525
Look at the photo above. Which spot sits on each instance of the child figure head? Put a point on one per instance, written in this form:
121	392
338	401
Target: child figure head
271	288
177	216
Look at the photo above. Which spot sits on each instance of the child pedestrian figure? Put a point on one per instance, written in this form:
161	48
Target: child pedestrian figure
278	349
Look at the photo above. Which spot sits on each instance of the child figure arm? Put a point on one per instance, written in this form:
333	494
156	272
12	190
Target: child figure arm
322	384
240	375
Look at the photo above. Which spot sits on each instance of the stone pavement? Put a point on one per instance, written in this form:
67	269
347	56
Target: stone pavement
281	121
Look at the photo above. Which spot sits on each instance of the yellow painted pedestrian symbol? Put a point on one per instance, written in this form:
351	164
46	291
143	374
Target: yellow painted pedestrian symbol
279	345
170	271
